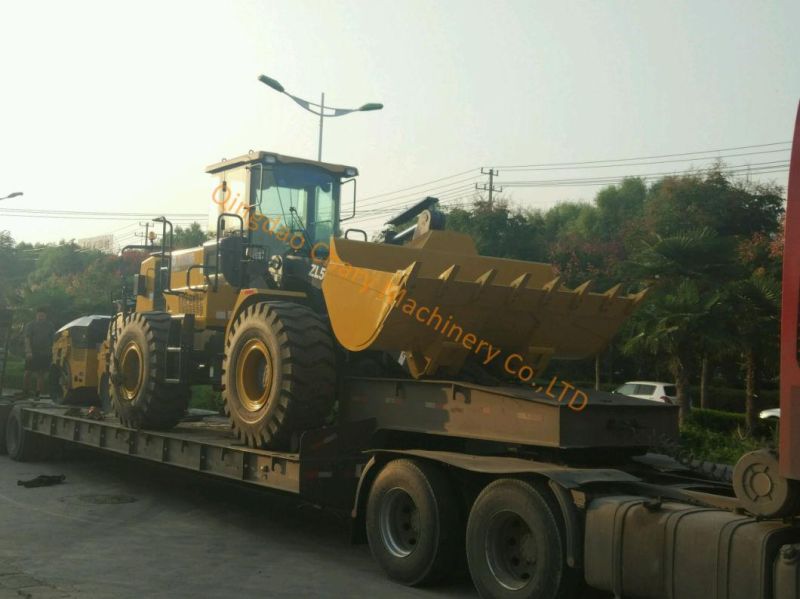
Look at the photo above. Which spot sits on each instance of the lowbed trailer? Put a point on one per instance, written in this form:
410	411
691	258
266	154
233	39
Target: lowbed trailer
537	500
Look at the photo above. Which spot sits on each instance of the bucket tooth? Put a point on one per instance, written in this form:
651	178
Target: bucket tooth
636	299
609	296
580	293
409	276
551	285
484	281
447	277
517	285
549	289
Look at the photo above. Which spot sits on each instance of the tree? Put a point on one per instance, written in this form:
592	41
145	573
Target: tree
685	272
499	230
189	237
755	320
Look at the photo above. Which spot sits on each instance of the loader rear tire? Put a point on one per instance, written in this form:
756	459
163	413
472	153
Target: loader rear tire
278	373
138	392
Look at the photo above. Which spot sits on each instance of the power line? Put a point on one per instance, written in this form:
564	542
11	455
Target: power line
379	195
427	191
754	168
718	157
453	198
556	164
101	213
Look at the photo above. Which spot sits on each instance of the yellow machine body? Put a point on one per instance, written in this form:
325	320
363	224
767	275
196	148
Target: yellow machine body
80	355
209	298
438	301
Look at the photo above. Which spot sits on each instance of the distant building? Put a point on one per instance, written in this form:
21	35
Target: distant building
104	243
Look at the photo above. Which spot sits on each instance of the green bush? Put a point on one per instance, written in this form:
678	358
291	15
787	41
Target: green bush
15	369
715	446
205	398
716	420
732	400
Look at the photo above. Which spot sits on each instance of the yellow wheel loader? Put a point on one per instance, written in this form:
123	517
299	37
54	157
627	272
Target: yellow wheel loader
78	373
282	303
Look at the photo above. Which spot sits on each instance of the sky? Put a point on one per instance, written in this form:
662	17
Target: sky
110	111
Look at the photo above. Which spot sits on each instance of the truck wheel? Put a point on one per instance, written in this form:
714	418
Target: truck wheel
278	373
138	392
515	547
414	524
21	445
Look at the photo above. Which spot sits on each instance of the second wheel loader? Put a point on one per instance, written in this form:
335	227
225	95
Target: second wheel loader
281	304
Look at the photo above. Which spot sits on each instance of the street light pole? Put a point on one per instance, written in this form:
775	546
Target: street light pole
321	121
318	109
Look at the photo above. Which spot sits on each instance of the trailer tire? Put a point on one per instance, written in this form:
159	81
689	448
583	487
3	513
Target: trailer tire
22	445
415	527
138	392
278	373
5	410
515	544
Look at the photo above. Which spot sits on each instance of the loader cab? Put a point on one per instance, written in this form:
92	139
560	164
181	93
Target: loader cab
282	204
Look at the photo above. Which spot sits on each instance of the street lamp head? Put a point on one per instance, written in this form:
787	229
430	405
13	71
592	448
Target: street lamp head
15	194
272	83
371	106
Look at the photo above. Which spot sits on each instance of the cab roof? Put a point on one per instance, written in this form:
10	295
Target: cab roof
263	157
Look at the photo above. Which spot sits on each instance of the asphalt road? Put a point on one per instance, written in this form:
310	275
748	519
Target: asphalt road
116	528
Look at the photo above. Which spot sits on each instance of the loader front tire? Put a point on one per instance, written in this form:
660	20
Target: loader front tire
278	373
138	392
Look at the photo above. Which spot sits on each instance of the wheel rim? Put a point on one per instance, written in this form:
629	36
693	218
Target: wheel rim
254	375
510	550
399	523
130	364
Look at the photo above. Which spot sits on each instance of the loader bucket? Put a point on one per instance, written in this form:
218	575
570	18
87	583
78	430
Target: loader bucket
438	301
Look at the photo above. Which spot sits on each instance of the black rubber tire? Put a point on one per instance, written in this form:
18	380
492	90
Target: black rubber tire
22	445
432	532
300	385
501	514
104	393
5	410
153	403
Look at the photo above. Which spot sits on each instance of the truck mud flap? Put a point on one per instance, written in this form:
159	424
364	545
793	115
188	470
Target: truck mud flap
649	549
331	463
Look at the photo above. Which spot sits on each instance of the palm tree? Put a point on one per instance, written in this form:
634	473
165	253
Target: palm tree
679	322
669	326
755	318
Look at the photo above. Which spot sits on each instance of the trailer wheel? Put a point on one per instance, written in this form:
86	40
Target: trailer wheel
414	524
22	445
278	373
138	392
5	410
515	546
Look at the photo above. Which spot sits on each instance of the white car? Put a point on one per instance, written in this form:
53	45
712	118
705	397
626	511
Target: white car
770	414
652	390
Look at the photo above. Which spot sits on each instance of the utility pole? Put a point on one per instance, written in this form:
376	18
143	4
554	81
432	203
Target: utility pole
146	226
490	187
